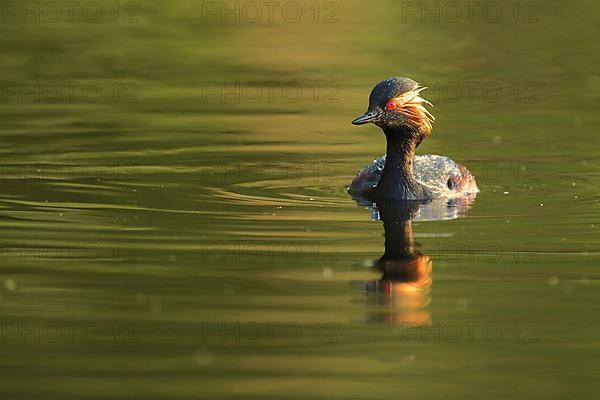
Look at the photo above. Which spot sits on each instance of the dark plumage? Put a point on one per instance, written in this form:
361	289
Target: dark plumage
395	105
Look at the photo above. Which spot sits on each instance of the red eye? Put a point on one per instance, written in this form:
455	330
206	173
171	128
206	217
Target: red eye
390	105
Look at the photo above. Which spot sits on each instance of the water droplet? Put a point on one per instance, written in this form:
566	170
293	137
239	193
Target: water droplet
462	304
553	281
141	298
10	284
228	289
327	272
204	357
155	306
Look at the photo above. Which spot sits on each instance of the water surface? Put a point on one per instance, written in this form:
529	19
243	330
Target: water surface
165	222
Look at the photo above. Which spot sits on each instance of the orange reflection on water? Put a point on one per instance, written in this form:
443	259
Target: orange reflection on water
404	290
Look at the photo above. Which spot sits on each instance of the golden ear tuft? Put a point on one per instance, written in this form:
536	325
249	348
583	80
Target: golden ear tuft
412	106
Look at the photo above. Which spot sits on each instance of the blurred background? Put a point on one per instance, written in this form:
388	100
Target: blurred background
175	222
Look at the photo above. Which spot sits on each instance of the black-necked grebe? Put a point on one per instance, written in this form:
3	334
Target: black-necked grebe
396	106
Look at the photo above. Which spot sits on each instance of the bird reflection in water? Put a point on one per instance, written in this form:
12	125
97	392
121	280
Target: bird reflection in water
403	293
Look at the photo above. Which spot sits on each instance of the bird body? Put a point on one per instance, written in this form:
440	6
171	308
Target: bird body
441	175
396	106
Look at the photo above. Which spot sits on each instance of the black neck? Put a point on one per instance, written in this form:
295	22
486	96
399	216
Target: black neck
397	178
397	263
399	242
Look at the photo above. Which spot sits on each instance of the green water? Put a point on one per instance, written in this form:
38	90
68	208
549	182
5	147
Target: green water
164	236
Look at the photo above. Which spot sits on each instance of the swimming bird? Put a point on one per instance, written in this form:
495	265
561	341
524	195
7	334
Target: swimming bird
396	106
